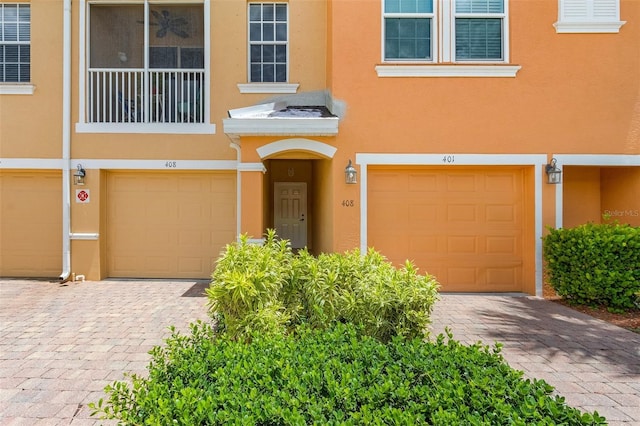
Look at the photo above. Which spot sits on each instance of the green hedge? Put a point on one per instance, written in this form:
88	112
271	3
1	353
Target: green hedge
595	264
336	376
270	289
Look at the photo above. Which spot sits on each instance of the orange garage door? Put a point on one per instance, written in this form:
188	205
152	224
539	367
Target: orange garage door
168	225
30	224
465	226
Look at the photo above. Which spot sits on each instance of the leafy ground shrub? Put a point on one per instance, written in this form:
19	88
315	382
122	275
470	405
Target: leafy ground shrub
270	289
336	376
595	264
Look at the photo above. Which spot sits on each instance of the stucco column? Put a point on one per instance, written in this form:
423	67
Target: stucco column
251	184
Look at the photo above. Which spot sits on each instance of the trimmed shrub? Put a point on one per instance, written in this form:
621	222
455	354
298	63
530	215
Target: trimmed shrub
595	264
335	376
269	289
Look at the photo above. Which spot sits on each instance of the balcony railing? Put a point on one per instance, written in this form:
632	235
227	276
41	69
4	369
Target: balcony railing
139	96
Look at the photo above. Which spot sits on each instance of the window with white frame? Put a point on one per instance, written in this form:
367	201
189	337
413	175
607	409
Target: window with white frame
268	42
146	63
445	31
15	43
588	16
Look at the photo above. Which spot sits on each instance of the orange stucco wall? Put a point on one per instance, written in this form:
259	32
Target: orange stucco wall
574	94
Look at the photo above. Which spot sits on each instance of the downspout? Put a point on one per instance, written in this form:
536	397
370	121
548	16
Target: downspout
66	141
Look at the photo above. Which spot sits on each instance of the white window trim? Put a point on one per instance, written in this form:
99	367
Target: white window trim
17	89
463	70
268	87
589	23
443	62
171	128
250	84
588	27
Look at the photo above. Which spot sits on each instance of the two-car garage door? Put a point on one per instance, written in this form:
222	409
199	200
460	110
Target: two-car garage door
466	226
168	225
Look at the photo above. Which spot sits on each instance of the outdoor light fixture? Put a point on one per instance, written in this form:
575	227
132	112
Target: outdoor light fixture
554	174
78	176
350	174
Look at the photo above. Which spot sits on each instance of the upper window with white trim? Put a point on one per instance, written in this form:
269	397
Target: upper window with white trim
445	31
146	63
268	42
15	43
588	16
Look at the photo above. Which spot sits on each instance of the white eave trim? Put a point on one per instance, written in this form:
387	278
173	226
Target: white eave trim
156	128
17	89
447	70
588	27
268	87
327	126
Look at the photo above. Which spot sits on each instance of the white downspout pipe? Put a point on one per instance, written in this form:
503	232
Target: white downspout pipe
66	141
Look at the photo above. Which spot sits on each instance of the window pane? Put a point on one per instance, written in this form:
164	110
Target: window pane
10	32
268	73
407	38
281	12
479	6
268	53
281	73
255	12
256	72
256	53
408	6
24	13
281	32
10	13
25	73
116	36
479	39
281	53
181	28
24	32
11	73
268	12
268	32
255	32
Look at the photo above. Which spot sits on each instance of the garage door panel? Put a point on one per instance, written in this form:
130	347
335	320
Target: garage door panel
467	230
178	225
30	224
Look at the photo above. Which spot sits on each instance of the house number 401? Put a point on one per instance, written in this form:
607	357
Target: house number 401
448	159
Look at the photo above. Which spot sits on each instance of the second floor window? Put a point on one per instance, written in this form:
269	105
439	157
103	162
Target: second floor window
15	43
268	42
146	67
439	31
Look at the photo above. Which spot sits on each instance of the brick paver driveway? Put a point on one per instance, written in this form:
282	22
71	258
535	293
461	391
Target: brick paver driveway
61	344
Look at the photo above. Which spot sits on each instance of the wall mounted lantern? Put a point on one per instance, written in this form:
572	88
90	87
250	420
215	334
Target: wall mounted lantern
78	176
350	174
554	174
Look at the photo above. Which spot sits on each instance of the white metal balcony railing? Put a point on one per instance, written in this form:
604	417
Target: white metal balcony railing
139	96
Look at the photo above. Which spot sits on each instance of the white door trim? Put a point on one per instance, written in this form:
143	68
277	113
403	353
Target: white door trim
453	160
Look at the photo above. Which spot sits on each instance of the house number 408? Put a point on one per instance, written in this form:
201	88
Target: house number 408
348	203
171	164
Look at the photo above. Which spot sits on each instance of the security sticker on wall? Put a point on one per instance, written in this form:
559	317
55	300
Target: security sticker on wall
83	196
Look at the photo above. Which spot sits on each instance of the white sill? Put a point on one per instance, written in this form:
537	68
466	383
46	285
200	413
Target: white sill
588	27
157	128
17	89
447	70
268	87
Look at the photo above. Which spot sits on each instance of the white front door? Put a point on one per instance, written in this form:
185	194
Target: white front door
290	212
